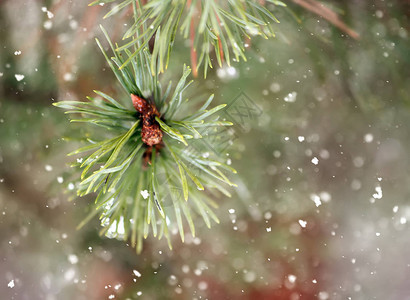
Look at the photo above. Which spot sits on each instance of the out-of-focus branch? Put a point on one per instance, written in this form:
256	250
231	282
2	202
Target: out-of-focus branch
321	10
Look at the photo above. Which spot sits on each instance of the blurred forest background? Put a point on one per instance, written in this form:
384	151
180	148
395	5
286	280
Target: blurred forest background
322	207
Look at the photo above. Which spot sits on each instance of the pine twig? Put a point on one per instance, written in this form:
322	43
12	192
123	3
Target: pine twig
141	161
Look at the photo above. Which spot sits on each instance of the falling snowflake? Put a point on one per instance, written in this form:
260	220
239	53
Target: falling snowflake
145	194
11	284
302	223
379	193
291	97
19	77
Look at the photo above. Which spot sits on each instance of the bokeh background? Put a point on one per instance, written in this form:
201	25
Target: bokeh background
322	207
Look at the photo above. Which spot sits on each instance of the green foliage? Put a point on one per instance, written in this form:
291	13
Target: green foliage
221	26
135	196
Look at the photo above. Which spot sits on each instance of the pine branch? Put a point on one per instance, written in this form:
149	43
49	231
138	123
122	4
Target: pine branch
221	26
144	188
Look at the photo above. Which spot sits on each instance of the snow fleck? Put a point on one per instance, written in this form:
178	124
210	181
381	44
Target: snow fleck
48	168
325	196
139	293
275	87
112	296
269	229
353	260
231	211
292	278
202	285
302	223
315	198
323	295
136	273
48	24
69	274
315	160
197	272
379	14
231	71
172	280
356	185
68	77
395	209
403	220
358	162
185	269
71	186
379	193
73	259
19	77
60	179
73	24
227	73
249	276
50	15
301	138
324	154
291	97
145	194
377	233
11	284
18	52
368	138
294	229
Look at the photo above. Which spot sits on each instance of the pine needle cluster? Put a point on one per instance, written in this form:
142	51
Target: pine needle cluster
142	189
210	26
